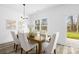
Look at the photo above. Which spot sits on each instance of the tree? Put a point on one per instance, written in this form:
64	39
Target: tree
72	24
78	24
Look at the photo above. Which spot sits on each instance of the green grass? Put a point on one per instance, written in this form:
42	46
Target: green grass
73	35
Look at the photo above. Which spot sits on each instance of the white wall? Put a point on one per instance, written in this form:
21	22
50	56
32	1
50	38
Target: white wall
57	18
6	14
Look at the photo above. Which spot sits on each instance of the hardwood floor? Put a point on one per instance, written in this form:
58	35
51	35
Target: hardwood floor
8	48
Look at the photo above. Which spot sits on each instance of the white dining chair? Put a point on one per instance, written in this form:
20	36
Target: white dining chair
48	38
51	46
25	45
16	41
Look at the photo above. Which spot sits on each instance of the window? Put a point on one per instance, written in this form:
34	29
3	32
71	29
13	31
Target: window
73	27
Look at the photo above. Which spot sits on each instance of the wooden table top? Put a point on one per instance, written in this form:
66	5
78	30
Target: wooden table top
37	38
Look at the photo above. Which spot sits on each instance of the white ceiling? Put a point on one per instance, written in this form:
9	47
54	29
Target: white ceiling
30	8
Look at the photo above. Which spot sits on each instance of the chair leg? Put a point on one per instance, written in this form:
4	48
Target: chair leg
26	52
14	45
54	51
36	50
21	50
16	48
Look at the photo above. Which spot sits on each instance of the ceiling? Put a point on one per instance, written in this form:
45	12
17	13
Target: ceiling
30	8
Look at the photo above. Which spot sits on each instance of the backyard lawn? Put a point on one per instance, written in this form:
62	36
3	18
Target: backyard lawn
73	35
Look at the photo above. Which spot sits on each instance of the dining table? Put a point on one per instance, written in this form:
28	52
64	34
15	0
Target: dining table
39	40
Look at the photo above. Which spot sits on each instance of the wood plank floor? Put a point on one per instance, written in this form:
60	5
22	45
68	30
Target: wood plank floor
7	48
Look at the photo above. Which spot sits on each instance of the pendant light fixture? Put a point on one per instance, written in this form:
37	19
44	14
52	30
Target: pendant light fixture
24	16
